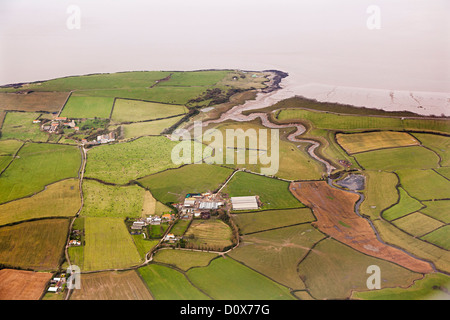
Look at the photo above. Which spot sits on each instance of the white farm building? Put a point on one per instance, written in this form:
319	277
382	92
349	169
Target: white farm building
245	203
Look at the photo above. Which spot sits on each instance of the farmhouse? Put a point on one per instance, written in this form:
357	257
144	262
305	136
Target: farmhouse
210	205
70	124
171	238
57	284
189	202
138	225
105	138
74	243
245	203
167	217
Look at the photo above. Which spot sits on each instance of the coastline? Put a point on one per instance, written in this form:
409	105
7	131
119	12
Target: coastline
283	85
422	103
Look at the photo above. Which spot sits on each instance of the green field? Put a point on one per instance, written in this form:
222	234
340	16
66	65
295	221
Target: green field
168	284
108	245
419	248
152	206
4	162
329	148
424	184
157	231
136	111
180	227
20	126
144	245
120	163
126	80
277	253
195	78
324	120
170	95
439	210
380	193
439	237
64	197
406	205
417	224
270	219
37	165
9	147
101	200
244	80
88	107
437	143
333	270
273	193
399	158
290	160
173	185
76	255
226	279
184	259
444	171
432	287
148	128
36	245
212	234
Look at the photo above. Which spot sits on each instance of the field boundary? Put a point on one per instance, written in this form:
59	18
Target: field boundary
359	130
151	120
278	228
141	100
64	104
13	158
265	276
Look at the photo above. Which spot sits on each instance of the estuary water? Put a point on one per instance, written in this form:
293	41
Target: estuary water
388	54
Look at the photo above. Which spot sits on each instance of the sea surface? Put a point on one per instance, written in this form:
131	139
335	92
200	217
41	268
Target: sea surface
388	54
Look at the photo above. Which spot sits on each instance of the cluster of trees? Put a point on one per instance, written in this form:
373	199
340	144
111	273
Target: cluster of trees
225	217
190	114
215	96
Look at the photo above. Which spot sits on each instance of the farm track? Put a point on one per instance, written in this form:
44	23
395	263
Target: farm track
81	176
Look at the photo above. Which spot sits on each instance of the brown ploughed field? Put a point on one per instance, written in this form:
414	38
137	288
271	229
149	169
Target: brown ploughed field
22	285
335	213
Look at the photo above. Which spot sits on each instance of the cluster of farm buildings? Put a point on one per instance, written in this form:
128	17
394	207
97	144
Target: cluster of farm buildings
57	123
197	206
101	139
155	220
57	284
200	205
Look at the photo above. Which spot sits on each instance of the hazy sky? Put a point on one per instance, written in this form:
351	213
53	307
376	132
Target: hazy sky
316	41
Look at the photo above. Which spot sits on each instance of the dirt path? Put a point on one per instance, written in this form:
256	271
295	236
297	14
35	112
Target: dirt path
81	176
